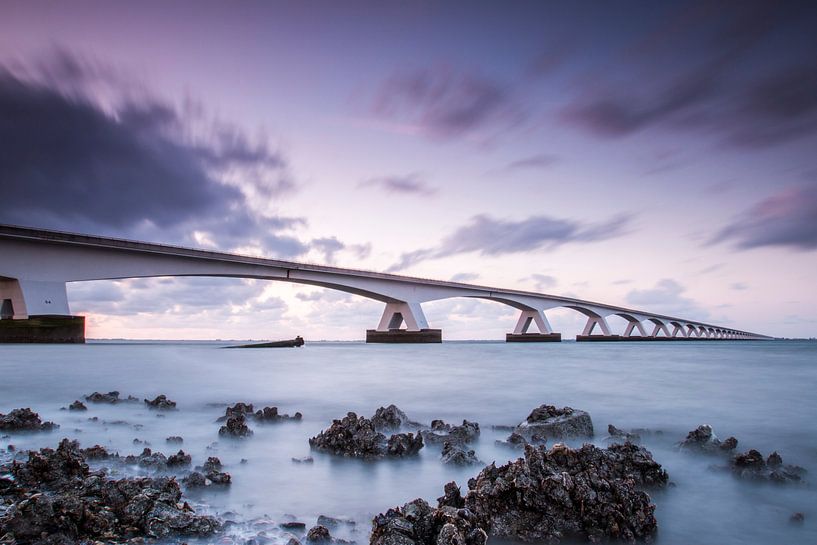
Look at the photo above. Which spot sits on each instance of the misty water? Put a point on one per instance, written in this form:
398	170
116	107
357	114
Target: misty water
763	393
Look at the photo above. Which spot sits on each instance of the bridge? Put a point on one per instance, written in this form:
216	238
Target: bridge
36	264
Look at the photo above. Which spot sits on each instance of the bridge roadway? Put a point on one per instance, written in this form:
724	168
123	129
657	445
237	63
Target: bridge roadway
36	264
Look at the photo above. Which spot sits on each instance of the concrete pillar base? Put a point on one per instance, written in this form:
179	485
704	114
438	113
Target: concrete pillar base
630	338
533	337
44	329
599	338
404	336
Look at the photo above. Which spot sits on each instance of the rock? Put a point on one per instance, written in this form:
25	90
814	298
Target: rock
148	459
797	518
456	454
195	480
452	496
391	418
56	499
417	523
24	420
174	439
161	402
621	435
518	441
293	526
561	493
96	452
547	421
293	541
235	427
270	415
318	534
441	433
110	397
212	464
179	459
750	465
356	437
703	440
332	522
304	460
77	406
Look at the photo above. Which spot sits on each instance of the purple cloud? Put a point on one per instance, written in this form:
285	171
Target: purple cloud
410	184
786	219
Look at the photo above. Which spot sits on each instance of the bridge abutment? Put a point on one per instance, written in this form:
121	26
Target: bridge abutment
401	336
43	329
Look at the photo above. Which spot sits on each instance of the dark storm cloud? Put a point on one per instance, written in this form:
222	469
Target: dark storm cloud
446	103
69	162
494	237
410	184
787	219
749	78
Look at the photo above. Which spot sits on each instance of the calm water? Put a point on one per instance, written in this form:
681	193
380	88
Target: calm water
764	393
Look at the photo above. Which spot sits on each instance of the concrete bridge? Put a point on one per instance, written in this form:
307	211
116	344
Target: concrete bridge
36	264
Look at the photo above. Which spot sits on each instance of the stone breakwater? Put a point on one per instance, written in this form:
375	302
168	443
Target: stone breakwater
70	494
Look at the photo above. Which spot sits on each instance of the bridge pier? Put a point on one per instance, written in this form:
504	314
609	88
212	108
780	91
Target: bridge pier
527	318
394	315
34	311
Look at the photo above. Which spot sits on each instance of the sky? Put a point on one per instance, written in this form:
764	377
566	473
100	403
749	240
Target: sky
656	155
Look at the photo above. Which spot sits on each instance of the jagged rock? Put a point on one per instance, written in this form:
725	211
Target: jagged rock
270	415
417	523
148	459
702	439
550	495
517	441
235	427
391	418
293	525
212	464
333	522
174	439
304	460
161	402
452	496
56	499
442	433
239	409
195	480
77	406
750	465
621	435
318	534
548	421
797	518
96	452
24	420
356	437
457	454
110	397
179	459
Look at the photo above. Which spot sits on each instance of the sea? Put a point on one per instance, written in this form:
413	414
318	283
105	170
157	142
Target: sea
762	392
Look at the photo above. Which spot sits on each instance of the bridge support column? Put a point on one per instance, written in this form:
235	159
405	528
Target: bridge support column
658	328
592	322
37	312
417	330
526	319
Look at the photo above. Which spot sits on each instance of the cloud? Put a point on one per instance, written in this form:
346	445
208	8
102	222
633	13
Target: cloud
786	219
445	103
543	281
666	298
410	184
131	166
716	95
739	286
541	160
489	236
328	246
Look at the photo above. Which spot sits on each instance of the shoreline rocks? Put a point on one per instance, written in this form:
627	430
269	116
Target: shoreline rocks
549	422
161	402
356	437
236	427
441	433
55	498
24	420
110	398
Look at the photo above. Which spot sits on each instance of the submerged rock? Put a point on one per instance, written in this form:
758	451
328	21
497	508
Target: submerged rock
750	465
56	499
441	433
161	402
548	421
457	454
77	406
518	441
270	415
356	437
559	493
703	440
318	534
148	459
621	435
24	420
304	460
417	523
181	458
174	439
110	397
236	427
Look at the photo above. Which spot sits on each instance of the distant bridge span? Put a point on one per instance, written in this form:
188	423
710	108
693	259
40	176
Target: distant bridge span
36	264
